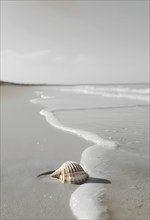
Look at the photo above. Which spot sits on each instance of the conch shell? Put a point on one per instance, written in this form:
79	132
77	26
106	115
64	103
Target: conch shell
70	172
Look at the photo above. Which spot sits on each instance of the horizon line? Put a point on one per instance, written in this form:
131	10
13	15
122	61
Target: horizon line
2	82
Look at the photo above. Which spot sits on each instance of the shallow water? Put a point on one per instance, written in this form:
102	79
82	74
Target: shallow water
113	118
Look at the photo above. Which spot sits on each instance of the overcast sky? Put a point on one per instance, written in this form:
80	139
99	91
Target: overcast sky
75	41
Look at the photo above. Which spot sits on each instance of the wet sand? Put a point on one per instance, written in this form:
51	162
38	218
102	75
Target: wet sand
30	146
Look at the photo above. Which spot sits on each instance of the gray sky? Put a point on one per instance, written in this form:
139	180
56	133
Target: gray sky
75	41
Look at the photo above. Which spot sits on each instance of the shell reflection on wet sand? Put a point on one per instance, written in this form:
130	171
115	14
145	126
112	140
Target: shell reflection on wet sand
70	172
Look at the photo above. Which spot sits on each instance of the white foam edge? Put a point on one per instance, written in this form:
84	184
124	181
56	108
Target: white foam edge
89	201
88	136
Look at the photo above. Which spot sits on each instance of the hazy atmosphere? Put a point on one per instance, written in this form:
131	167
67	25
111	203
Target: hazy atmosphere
75	41
75	110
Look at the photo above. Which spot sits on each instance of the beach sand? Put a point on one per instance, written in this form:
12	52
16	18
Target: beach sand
29	146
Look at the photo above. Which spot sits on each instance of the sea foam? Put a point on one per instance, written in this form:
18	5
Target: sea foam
111	92
88	202
88	136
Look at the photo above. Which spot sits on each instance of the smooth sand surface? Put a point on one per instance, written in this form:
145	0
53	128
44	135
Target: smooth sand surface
30	146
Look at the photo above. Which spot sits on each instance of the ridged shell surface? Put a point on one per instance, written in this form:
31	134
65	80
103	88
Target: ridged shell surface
70	172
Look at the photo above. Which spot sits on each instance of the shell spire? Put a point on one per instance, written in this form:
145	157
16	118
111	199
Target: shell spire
56	173
70	172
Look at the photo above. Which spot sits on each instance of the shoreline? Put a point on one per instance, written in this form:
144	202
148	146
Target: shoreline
40	156
138	186
78	201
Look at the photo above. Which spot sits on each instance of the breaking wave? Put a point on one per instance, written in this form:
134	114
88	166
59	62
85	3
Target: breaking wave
112	92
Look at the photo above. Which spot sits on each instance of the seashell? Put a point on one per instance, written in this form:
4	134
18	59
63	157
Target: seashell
70	172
